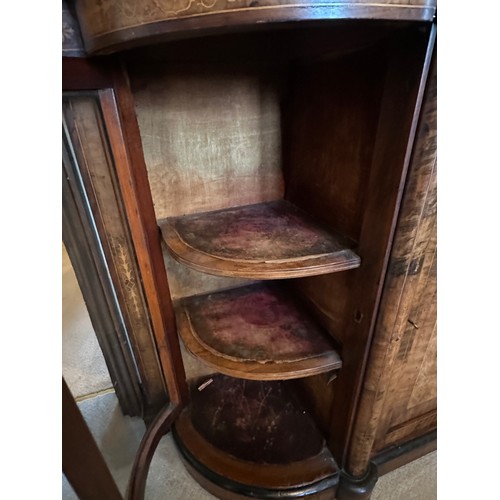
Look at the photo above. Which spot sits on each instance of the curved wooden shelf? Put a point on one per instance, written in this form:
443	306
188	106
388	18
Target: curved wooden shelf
253	438
132	23
257	332
273	240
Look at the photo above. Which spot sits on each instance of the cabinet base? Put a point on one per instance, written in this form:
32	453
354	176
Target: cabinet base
227	489
397	456
253	439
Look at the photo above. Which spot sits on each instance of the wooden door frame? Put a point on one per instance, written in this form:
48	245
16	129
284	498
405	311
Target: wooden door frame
83	247
109	78
122	129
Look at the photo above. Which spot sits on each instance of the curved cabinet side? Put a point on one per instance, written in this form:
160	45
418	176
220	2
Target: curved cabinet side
116	25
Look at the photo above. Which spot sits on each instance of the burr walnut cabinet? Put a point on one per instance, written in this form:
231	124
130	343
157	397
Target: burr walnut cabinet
275	165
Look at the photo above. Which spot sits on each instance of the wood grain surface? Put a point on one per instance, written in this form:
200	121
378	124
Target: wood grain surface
399	394
94	280
116	24
266	241
125	141
85	123
216	137
257	332
327	166
82	462
409	56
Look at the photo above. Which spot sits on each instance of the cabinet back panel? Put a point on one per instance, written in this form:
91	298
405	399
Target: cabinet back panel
330	124
332	118
211	135
316	393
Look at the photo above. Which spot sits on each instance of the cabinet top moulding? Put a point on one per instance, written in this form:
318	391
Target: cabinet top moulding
123	24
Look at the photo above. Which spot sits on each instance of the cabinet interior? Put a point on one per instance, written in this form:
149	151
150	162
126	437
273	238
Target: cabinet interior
302	114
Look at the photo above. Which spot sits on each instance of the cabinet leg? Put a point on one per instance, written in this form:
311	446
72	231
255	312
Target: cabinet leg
357	488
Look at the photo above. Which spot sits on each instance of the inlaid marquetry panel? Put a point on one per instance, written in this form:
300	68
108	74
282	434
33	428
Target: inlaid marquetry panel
85	124
114	14
110	25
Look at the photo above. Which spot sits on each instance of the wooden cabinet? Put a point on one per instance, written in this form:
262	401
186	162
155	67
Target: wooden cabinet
268	170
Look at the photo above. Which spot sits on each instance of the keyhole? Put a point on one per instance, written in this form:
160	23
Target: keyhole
358	316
